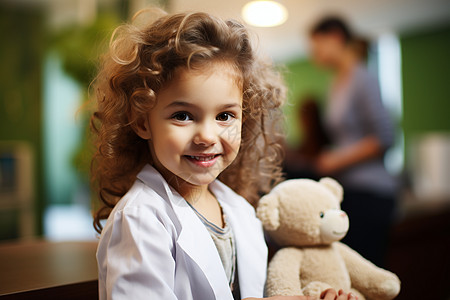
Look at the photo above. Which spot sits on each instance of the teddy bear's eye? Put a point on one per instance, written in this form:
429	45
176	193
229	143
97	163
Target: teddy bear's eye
322	215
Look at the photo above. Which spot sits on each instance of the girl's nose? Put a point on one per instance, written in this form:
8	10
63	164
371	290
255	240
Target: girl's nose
206	135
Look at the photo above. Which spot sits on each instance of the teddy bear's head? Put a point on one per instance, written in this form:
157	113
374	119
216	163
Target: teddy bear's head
304	212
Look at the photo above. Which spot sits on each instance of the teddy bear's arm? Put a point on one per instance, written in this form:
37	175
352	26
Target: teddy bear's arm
370	280
283	276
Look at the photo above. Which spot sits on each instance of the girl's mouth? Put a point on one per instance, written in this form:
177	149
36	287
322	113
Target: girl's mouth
204	160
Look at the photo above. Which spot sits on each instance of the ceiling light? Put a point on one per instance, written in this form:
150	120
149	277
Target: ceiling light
264	13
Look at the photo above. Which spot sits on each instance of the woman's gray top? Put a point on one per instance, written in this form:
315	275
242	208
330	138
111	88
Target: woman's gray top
353	112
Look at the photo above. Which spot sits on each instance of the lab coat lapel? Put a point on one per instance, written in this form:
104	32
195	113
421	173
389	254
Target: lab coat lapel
194	238
250	246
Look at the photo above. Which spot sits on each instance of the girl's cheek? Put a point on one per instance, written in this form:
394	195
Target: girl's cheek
179	136
232	138
233	134
171	138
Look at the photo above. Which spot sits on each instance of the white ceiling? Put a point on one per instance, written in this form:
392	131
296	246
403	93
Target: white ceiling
368	17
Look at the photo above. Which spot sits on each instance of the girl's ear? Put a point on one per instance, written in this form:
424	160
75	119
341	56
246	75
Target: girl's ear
142	128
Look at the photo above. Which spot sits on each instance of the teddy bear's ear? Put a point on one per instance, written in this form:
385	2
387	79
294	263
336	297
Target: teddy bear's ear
267	211
334	187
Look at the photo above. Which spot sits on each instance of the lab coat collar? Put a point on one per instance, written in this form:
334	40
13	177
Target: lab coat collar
193	238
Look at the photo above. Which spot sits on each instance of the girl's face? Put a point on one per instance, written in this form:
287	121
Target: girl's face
194	129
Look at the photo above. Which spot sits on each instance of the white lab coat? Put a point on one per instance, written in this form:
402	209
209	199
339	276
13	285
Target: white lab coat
153	246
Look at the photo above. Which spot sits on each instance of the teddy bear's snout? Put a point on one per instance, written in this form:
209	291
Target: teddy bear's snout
334	225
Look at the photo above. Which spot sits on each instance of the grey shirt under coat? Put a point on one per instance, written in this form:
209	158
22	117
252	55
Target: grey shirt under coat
354	112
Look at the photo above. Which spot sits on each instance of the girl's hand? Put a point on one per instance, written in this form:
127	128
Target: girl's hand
285	298
330	294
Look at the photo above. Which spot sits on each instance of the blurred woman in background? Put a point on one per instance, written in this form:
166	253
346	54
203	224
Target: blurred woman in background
360	132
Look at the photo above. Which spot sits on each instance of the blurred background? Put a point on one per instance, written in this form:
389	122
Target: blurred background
48	54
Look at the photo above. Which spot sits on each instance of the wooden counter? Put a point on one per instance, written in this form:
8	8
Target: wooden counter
39	269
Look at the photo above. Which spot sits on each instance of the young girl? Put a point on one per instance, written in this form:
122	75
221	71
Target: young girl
183	101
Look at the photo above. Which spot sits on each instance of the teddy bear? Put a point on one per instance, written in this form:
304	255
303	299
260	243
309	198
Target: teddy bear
303	217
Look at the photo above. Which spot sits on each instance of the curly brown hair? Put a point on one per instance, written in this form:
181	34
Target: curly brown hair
141	60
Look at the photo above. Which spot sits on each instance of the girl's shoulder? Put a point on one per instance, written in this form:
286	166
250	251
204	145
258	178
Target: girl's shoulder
148	192
142	204
141	218
140	196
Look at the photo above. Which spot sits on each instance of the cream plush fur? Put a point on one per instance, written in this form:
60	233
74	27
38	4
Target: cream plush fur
304	217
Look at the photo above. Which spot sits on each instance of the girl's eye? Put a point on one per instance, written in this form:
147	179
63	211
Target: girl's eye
182	117
224	117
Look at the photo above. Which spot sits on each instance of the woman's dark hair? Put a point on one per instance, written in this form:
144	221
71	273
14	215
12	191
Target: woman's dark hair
333	24
314	135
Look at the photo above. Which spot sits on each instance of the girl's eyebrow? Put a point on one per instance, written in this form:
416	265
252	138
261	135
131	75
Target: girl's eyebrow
231	105
188	104
180	103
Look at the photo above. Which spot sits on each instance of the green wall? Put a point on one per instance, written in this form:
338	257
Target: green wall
426	82
21	48
302	78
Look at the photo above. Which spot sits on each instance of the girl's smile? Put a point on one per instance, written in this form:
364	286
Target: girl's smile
204	160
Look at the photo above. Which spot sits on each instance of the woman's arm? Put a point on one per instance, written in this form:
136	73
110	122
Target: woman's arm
333	161
374	121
